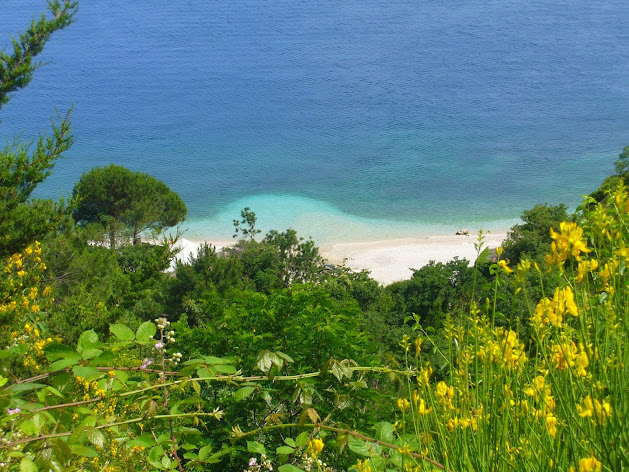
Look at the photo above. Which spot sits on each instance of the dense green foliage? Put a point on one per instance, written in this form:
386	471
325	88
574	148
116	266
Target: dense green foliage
531	239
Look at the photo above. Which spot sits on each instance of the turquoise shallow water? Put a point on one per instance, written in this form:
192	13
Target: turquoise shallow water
345	120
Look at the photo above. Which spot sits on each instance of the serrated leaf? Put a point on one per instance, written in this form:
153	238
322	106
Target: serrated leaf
156	453
61	450
243	393
95	437
27	465
193	362
146	331
290	442
225	369
122	332
106	358
4	353
91	353
364	448
255	447
285	450
29	428
211	360
83	451
264	361
284	356
385	431
63	363
85	371
25	387
205	451
302	439
56	351
144	440
87	340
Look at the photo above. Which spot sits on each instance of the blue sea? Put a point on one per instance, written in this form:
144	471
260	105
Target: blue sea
344	119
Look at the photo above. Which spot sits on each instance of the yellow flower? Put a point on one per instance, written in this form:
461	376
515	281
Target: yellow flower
425	375
403	404
551	424
592	407
445	394
504	265
418	346
315	446
563	355
589	464
363	466
569	241
422	410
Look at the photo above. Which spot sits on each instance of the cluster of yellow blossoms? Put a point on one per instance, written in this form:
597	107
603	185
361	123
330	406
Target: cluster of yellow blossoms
552	400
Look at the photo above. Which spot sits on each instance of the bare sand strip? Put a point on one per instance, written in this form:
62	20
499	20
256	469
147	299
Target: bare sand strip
389	260
393	260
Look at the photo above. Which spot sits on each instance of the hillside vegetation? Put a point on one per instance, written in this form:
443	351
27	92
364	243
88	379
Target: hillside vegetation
261	357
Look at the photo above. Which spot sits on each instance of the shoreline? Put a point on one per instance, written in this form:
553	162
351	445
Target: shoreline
387	259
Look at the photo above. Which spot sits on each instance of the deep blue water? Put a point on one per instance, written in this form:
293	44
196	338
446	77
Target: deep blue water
348	115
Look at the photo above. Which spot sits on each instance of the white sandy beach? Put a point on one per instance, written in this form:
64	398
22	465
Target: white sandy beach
388	260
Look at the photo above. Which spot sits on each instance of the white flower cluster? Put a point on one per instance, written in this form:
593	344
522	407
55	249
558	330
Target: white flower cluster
167	337
264	464
309	464
162	323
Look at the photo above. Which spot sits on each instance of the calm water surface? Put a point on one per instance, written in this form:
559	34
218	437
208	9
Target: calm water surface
345	119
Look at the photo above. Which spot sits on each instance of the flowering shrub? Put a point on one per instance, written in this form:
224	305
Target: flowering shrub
556	401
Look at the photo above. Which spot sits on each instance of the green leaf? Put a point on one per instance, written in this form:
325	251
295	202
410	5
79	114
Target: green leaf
122	332
243	393
83	451
146	331
156	453
4	353
289	468
61	450
63	363
264	361
106	358
285	450
85	372
56	351
363	448
144	440
196	387
95	437
290	442
25	387
89	420
19	350
29	428
225	369
27	465
385	431
193	362
302	439
87	340
91	353
205	451
211	360
255	447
